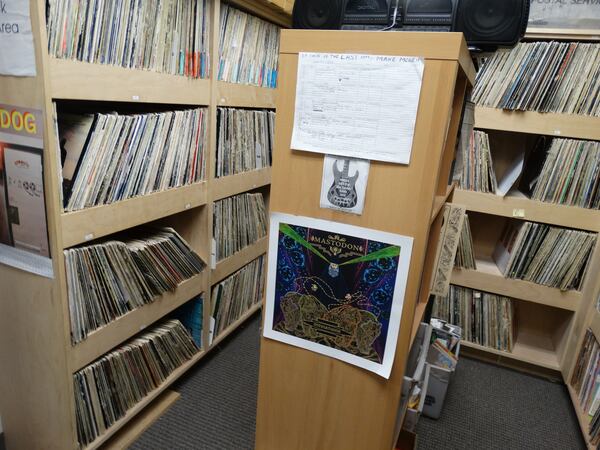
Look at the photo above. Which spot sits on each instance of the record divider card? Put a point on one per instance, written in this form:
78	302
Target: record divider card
306	400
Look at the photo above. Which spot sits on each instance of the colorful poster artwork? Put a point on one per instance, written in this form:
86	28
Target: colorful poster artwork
336	289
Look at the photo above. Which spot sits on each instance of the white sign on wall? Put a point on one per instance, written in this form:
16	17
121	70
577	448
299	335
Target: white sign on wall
17	56
583	14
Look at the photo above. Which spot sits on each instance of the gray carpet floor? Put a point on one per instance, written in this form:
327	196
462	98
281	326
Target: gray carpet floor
487	407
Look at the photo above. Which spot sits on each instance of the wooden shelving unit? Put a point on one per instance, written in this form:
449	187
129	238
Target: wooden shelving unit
550	324
36	383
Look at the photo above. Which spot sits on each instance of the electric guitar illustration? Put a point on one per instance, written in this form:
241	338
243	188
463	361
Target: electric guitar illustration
342	192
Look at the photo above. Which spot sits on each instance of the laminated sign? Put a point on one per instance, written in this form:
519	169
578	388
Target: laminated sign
23	229
16	40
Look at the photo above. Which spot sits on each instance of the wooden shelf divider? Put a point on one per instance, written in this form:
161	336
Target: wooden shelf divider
92	223
238	260
488	278
76	80
531	210
551	124
104	339
235	184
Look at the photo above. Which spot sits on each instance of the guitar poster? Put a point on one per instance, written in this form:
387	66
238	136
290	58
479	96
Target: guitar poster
344	184
336	289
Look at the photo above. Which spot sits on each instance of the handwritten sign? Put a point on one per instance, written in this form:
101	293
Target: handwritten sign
358	106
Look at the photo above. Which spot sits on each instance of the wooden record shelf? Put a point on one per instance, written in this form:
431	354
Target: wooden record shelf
92	223
45	356
123	328
76	80
235	184
238	260
488	278
550	124
245	96
531	210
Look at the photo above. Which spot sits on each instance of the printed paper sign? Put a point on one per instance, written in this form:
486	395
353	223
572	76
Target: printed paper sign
357	106
17	56
23	229
582	14
344	184
336	289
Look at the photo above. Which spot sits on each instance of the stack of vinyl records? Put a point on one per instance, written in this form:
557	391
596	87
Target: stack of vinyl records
559	77
249	49
595	428
106	389
190	315
571	174
169	36
239	221
586	383
236	294
486	319
551	256
112	157
107	280
478	171
245	140
465	255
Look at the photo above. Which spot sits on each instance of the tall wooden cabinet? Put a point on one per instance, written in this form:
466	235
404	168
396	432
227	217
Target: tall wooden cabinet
307	401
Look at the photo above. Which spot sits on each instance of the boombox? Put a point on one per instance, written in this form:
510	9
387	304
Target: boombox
485	23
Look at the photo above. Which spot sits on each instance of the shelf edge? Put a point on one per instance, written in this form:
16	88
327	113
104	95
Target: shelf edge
550	124
518	289
87	224
224	187
530	210
238	260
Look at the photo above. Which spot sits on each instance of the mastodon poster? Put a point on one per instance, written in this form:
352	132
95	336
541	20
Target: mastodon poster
336	289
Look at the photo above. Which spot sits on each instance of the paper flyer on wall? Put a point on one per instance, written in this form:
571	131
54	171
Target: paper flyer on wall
344	184
336	289
23	226
17	56
358	106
